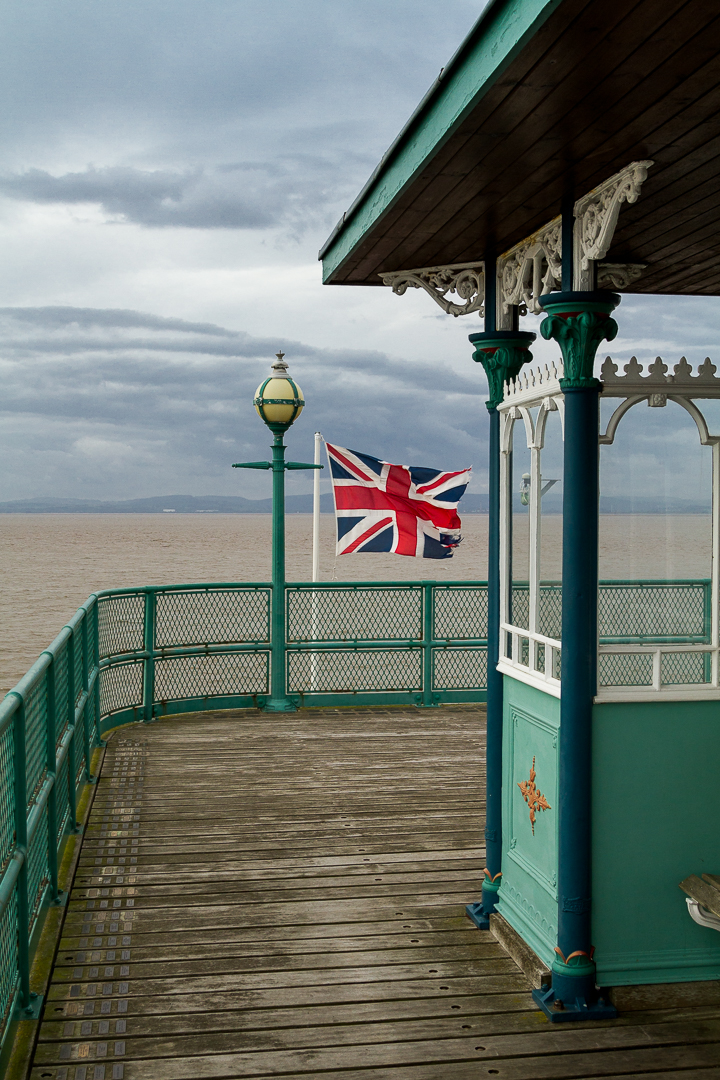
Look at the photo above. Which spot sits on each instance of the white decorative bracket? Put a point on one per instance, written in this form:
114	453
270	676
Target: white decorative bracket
596	217
526	271
534	266
701	915
464	280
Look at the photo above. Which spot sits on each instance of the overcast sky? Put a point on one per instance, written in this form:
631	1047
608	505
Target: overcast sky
170	169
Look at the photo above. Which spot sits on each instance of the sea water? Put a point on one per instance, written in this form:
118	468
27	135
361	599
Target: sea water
50	563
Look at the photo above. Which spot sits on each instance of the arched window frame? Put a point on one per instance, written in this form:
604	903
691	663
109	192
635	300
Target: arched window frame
685	388
541	390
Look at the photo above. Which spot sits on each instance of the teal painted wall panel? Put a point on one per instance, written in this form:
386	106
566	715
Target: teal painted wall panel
656	793
506	28
528	891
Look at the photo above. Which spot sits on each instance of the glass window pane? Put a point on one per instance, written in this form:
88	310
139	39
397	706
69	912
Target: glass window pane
551	524
520	501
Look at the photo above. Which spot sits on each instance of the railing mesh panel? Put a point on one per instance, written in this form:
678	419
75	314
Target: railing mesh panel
355	614
682	667
211	676
460	612
7	780
61	692
35	737
38	870
121	687
652	611
80	743
625	669
120	624
459	669
520	607
349	671
550	611
92	657
77	673
8	959
62	799
214	617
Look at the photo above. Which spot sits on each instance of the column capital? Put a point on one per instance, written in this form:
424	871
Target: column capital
502	353
579	321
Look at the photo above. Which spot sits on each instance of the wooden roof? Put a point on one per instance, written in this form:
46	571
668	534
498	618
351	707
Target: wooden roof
547	97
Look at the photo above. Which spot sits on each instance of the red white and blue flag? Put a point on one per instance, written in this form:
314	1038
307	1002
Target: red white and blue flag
396	508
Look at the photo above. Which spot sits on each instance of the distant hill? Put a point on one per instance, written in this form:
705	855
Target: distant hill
192	504
302	504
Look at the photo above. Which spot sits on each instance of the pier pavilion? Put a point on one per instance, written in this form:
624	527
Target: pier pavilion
193	885
568	156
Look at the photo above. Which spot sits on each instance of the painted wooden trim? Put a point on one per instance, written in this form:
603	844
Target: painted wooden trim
495	40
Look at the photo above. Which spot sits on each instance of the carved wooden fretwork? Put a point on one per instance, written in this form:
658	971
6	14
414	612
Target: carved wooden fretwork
618	276
681	382
528	270
657	388
534	266
464	280
596	217
533	385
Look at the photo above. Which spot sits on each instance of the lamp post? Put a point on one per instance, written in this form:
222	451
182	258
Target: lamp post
278	401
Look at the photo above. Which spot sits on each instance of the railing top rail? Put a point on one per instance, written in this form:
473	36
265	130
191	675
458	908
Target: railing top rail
200	586
205	586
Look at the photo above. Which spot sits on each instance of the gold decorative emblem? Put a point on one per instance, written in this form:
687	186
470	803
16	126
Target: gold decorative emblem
534	798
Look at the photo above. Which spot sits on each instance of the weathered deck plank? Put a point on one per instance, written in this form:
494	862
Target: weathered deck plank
283	896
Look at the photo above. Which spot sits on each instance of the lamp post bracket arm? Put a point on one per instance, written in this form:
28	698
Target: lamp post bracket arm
253	465
301	465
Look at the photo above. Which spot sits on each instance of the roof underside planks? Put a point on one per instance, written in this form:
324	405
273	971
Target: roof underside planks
584	88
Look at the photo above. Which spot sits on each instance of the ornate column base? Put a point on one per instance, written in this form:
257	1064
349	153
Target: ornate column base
479	913
573	994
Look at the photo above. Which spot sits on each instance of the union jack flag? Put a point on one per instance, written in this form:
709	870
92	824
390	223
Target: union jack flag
396	508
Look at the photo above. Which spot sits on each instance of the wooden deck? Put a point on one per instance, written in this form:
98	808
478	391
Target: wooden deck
284	896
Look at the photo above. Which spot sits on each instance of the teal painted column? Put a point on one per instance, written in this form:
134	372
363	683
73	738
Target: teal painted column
578	322
502	354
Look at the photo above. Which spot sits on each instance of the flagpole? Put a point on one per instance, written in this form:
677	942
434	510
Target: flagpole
316	511
315	555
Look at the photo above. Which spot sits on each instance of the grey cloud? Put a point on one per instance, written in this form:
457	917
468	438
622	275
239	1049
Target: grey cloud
241	196
129	415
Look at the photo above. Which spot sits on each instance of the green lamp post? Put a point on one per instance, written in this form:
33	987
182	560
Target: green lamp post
279	401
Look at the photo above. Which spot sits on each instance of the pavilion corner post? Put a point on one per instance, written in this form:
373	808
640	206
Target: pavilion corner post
578	322
502	354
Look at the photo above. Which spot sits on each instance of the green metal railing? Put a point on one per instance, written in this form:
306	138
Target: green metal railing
49	724
137	654
190	647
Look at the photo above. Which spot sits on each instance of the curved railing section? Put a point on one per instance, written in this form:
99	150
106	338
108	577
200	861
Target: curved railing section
193	647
